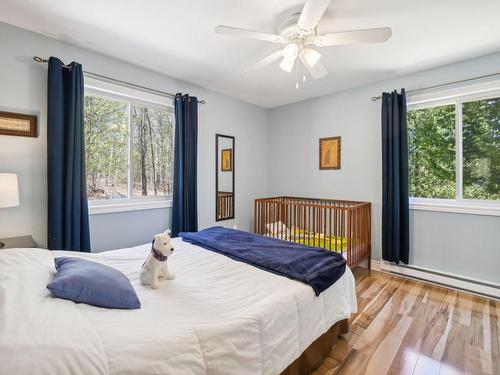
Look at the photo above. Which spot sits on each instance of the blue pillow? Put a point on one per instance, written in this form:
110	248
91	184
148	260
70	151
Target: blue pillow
80	280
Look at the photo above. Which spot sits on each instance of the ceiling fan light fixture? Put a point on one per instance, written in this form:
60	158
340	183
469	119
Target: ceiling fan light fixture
287	64
291	51
311	56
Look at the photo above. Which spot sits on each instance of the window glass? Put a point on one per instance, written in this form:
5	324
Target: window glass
152	151
481	149
118	148
431	152
106	147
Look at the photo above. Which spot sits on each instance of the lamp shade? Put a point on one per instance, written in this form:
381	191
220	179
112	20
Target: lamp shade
9	190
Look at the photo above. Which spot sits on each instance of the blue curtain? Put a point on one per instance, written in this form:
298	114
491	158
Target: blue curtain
395	211
185	201
68	218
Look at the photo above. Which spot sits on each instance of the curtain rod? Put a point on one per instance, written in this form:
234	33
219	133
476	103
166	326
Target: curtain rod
375	98
132	85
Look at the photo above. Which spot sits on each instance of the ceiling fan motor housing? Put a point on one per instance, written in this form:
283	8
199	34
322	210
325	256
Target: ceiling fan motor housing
291	32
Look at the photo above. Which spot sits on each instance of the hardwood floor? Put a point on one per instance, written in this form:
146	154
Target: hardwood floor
411	328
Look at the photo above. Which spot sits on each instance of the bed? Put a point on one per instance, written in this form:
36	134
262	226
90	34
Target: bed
218	316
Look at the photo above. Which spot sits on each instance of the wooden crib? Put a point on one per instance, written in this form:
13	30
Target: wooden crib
337	225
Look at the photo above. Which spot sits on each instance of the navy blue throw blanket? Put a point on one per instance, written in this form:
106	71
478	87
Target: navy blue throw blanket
316	267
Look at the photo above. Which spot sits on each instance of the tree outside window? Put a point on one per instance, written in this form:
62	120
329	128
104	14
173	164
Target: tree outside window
123	136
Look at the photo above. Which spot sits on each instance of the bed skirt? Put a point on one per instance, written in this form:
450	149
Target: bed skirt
316	353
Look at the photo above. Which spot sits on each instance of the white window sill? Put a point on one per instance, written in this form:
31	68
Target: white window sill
474	207
96	208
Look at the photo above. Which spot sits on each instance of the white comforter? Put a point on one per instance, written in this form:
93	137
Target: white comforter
218	316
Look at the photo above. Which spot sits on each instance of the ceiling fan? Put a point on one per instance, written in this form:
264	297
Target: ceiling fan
299	37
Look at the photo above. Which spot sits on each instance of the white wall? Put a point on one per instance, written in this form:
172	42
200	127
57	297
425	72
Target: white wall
23	87
459	243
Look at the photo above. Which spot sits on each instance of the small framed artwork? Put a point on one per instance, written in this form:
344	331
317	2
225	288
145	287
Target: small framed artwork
18	124
329	153
226	158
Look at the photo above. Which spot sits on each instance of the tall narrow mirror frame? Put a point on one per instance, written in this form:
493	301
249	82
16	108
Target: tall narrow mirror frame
224	177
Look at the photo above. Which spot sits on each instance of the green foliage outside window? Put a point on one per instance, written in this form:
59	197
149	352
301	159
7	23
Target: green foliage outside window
106	149
431	149
152	151
481	149
106	145
431	152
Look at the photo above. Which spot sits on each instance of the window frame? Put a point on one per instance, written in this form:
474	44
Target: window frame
456	95
131	97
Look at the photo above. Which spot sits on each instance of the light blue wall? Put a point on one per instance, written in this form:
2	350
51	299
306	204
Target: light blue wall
125	229
23	87
458	243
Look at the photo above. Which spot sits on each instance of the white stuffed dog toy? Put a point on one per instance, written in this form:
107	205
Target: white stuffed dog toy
155	267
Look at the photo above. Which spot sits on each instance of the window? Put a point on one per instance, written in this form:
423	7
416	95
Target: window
152	150
481	149
431	152
454	149
128	148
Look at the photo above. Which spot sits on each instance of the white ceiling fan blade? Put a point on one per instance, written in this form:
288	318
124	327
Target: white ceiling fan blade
354	37
311	13
317	70
249	34
265	61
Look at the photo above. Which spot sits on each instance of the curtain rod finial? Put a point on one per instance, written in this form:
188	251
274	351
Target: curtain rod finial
38	59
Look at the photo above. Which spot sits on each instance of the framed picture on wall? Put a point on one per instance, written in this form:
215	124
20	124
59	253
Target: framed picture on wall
329	153
18	124
226	158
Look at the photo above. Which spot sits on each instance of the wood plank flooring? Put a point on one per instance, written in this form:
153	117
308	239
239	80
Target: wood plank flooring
406	327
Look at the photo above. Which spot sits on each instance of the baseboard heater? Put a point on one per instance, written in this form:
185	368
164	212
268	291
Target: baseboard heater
469	285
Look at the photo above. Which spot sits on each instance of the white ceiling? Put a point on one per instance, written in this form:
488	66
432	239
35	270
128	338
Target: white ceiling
177	38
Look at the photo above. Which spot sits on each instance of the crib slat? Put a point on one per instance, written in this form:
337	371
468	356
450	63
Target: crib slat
360	233
282	218
337	234
309	226
342	228
294	222
349	231
255	217
324	226
277	218
355	236
267	211
314	220
330	231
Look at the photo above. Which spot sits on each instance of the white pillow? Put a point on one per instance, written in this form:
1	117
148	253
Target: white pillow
276	228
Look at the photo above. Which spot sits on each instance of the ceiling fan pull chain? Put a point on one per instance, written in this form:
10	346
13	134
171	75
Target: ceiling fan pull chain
297	77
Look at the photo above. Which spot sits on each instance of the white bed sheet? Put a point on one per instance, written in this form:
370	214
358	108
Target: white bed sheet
218	316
